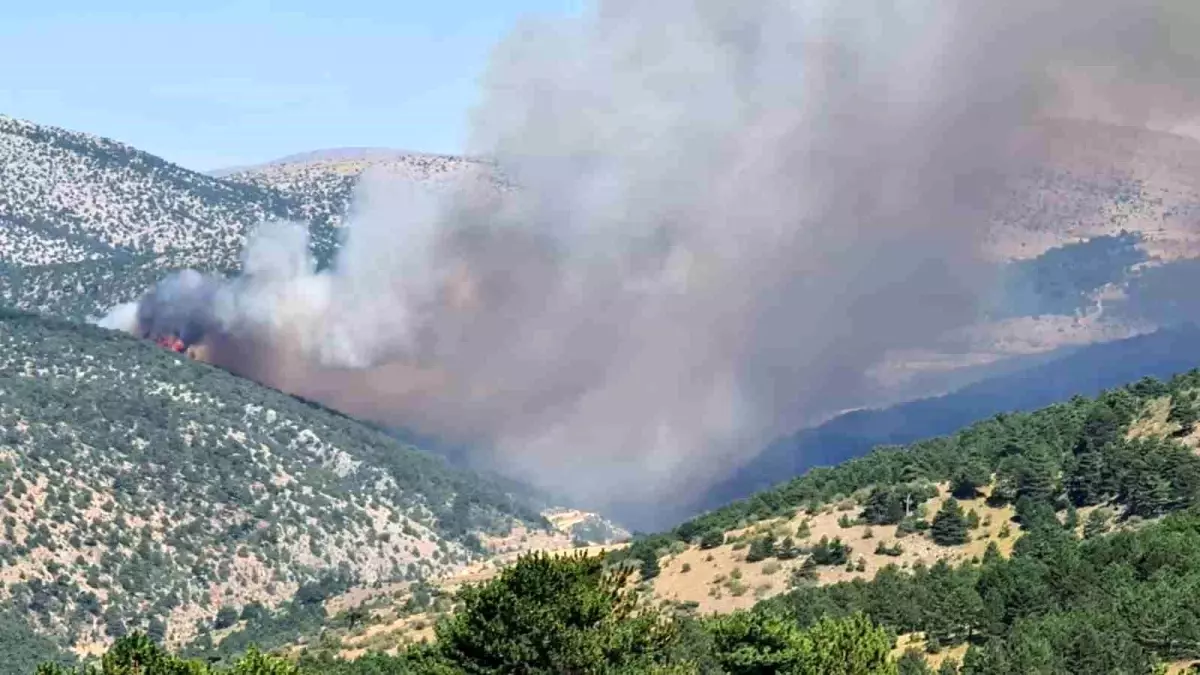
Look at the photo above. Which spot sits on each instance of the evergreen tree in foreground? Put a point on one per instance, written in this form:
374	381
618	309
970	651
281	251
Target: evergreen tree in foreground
554	615
950	525
550	615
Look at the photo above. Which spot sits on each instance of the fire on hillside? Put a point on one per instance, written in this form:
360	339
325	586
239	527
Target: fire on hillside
192	350
172	342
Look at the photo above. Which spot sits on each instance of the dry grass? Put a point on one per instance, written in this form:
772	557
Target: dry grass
710	581
1153	421
935	661
1178	667
389	628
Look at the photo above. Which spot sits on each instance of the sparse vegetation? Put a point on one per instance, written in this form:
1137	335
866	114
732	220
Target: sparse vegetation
761	548
893	551
149	490
712	539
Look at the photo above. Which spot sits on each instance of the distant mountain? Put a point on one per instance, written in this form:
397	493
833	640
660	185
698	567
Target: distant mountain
322	182
1081	371
141	489
99	197
323	155
87	222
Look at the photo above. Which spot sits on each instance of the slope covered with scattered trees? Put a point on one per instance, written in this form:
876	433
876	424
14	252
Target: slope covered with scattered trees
88	222
1098	574
142	490
1087	371
550	616
1081	450
1102	496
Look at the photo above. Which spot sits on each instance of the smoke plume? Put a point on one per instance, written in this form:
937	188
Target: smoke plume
725	214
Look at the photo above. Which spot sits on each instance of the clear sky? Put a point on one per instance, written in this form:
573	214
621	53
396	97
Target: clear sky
219	83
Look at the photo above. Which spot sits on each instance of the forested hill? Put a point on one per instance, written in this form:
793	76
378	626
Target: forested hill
143	490
1126	444
87	222
1060	541
1084	371
1063	541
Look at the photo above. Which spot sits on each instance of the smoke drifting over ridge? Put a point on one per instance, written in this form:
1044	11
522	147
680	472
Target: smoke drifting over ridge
726	214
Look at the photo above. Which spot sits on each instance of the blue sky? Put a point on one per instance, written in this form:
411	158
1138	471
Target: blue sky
224	83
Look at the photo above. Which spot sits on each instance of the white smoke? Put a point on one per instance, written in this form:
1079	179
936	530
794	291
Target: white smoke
727	214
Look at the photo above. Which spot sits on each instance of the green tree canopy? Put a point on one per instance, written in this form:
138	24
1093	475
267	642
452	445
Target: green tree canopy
949	525
548	615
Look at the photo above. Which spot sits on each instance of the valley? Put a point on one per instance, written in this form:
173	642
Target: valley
149	493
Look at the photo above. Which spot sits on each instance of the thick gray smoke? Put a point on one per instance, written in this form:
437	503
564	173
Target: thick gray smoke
726	213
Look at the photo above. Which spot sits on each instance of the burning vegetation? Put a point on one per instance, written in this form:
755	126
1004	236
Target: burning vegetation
172	342
192	350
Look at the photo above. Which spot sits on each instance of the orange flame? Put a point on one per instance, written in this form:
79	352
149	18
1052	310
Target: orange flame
172	342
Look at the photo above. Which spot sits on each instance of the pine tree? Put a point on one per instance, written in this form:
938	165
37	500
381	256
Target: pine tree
1072	520
553	615
1150	495
972	519
950	525
992	555
912	663
157	630
803	532
828	552
1101	427
1038	477
761	548
953	608
1032	513
226	617
712	539
1183	412
1085	482
770	642
967	480
787	549
650	567
883	507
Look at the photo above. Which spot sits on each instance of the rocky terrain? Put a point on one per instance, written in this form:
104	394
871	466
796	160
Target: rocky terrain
87	222
143	490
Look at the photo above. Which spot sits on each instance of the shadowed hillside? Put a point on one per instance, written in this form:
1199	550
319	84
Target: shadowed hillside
1083	371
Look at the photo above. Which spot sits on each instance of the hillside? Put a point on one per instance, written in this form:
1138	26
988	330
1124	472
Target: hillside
900	534
1099	179
145	490
87	222
322	183
1008	448
1084	371
1063	540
